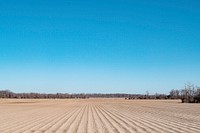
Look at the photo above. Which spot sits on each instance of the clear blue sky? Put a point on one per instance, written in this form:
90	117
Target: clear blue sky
99	46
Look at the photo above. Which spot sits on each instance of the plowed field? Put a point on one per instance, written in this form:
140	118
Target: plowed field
98	115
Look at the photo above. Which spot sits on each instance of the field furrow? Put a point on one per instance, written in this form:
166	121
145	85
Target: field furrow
98	116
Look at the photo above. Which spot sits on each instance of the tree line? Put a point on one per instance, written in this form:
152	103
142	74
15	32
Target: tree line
10	94
190	94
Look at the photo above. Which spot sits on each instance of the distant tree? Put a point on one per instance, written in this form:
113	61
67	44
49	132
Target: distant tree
190	94
174	94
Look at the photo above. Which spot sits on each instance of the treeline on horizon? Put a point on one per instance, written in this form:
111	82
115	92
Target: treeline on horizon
32	95
189	94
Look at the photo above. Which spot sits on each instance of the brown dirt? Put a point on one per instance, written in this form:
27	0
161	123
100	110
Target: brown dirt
98	115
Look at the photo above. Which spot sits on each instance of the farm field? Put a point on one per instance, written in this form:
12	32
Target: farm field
98	115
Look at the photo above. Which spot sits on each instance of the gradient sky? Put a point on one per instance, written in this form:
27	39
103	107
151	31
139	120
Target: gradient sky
99	46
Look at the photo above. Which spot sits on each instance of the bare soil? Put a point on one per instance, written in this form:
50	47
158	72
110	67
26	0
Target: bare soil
98	115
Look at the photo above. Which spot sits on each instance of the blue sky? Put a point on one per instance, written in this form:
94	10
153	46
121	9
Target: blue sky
102	46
